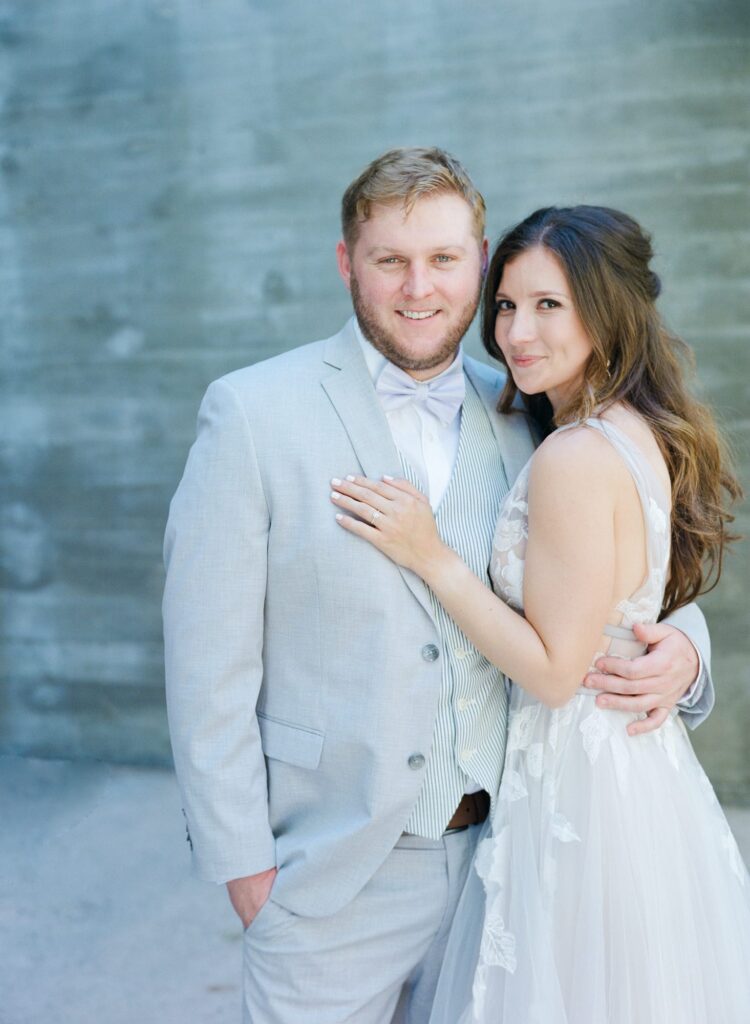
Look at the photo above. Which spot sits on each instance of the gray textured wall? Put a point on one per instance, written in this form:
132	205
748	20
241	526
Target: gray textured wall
169	183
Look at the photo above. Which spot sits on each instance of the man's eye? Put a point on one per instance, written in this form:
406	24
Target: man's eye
390	260
443	258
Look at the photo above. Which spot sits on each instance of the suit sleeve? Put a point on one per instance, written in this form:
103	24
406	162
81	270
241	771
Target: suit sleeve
215	553
698	702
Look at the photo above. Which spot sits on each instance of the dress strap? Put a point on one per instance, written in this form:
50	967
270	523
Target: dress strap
619	632
644	604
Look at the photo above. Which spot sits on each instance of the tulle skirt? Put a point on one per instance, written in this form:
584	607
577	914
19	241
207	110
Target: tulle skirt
608	888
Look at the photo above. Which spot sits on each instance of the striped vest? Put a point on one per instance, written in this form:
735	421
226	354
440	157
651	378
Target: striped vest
469	737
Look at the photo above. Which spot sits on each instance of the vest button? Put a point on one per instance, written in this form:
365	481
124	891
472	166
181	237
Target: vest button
416	761
430	652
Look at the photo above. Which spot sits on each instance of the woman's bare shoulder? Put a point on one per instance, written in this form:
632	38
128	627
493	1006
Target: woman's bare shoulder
577	456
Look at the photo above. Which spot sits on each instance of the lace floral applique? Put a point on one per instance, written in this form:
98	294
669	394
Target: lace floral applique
498	944
492	859
560	718
498	947
512	579
509	544
510	531
645	608
513	787
563	829
522	726
595	728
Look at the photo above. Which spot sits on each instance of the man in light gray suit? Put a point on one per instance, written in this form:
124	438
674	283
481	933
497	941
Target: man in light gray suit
336	737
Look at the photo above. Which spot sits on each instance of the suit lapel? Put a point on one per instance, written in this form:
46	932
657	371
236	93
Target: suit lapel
347	383
512	431
349	388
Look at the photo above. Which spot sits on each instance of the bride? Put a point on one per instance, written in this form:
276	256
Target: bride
608	887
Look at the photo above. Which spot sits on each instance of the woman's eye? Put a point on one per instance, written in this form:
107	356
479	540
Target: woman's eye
504	306
549	304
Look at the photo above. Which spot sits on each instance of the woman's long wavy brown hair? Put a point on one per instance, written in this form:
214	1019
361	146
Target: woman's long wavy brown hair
606	257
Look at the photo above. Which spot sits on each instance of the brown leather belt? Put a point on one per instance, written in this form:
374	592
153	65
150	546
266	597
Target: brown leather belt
474	807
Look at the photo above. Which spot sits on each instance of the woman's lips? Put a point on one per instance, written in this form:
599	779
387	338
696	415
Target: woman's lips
525	360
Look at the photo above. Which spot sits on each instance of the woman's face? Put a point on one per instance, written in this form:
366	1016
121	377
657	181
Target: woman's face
538	329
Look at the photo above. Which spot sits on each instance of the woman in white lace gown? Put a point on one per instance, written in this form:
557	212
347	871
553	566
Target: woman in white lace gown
608	888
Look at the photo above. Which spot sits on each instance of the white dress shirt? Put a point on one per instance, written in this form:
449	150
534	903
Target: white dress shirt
426	443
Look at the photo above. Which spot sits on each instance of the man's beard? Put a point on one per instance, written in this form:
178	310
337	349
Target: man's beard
384	341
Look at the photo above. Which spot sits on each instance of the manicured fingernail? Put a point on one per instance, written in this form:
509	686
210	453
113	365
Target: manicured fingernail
339	517
603	702
389	478
335	481
350	479
335	495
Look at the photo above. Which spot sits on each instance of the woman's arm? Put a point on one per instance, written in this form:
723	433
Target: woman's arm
570	562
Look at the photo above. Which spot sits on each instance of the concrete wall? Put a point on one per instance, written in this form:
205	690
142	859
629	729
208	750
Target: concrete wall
169	182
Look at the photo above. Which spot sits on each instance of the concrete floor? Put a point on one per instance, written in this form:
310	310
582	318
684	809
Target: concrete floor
100	920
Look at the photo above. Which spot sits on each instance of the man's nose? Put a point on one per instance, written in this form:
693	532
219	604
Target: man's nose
418	282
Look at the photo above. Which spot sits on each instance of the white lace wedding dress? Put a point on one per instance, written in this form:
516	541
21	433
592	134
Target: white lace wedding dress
609	888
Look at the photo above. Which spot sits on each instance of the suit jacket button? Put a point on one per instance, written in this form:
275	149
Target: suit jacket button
416	761
430	652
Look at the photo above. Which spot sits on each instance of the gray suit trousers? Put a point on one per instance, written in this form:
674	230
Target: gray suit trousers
374	961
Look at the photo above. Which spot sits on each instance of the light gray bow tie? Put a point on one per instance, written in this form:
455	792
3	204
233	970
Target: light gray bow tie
442	396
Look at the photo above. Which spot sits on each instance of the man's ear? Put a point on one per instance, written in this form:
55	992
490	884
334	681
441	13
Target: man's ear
344	263
485	256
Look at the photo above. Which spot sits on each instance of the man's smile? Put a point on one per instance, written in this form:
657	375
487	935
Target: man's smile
417	314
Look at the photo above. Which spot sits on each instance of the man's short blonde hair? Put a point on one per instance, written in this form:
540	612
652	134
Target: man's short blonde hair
404	176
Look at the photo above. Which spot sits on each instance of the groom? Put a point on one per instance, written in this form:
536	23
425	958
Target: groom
335	735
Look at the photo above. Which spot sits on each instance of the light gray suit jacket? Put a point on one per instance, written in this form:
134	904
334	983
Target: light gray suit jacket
296	686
